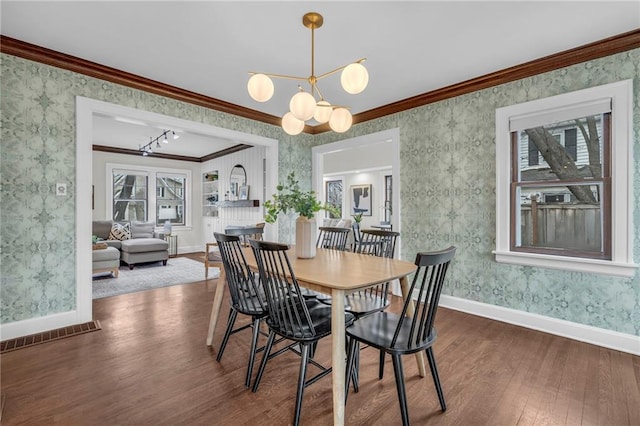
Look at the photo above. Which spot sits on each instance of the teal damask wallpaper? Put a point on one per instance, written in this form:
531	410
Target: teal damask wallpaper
447	179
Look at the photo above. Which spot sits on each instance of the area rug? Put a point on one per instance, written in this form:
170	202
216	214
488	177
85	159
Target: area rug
179	270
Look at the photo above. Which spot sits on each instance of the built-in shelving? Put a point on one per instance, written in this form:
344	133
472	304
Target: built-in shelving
210	193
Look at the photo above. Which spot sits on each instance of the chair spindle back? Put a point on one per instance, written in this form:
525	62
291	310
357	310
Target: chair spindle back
245	292
332	238
287	309
426	287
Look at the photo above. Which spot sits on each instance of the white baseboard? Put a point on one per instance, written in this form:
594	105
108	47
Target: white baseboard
36	325
584	333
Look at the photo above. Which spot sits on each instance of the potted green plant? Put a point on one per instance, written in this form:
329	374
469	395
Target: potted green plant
290	198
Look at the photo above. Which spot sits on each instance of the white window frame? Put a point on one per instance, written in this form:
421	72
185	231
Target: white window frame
152	173
621	96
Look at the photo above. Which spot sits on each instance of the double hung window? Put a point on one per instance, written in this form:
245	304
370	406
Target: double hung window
563	181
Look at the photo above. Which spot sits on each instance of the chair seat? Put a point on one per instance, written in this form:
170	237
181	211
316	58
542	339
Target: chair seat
320	315
251	305
377	330
359	304
214	256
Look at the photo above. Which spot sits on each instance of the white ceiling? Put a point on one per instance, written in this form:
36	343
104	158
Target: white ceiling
411	48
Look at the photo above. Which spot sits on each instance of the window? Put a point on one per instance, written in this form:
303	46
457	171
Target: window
334	191
130	195
149	194
171	203
563	181
572	218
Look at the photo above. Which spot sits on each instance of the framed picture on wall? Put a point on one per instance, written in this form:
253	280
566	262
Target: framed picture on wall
243	192
361	199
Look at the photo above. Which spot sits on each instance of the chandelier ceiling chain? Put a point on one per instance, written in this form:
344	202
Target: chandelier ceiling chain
148	148
304	105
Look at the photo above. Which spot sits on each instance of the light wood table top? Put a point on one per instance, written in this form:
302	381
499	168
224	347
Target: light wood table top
343	270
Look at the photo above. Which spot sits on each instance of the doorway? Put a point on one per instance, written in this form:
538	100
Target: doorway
347	147
86	109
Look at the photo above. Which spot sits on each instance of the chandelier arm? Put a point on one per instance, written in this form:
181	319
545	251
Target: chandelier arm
289	77
319	92
359	61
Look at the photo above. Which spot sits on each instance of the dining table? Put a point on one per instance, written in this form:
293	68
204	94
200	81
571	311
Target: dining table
337	273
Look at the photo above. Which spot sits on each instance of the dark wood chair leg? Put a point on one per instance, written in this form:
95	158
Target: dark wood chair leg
265	358
301	379
436	377
230	322
254	345
352	350
402	395
381	366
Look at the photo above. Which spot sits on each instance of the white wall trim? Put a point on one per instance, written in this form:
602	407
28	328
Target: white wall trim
36	325
584	333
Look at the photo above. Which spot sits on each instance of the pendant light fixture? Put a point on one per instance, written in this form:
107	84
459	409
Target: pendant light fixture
307	105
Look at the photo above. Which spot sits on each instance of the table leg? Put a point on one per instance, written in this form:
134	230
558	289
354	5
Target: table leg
338	362
217	303
404	285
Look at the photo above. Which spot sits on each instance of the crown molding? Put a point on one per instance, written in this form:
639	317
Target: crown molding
137	153
609	46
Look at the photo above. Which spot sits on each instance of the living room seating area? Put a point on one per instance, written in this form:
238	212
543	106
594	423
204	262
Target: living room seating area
136	242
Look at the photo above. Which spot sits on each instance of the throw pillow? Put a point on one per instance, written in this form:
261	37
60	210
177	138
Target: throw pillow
120	231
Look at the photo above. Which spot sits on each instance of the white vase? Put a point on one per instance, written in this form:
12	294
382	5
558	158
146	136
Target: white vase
305	237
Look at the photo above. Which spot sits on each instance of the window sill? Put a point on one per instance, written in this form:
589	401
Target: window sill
573	264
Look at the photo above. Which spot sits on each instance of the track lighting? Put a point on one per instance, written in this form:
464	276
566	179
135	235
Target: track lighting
146	149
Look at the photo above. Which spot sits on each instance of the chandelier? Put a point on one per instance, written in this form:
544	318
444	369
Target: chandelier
307	105
147	149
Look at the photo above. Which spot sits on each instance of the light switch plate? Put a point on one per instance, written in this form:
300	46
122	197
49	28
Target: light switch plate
61	189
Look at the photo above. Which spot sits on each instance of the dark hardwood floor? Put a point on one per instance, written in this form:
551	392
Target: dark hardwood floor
149	365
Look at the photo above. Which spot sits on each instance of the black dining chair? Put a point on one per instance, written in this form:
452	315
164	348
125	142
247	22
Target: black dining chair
364	302
291	316
246	295
212	253
332	238
401	334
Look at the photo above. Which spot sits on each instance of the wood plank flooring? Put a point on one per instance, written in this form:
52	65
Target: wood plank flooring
149	365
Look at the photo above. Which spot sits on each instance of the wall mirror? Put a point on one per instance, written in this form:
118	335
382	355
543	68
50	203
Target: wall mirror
237	179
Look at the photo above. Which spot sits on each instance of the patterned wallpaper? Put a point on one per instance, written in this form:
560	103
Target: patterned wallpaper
448	197
447	178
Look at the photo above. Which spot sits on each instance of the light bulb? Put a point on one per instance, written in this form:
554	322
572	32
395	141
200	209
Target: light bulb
291	125
340	120
323	112
354	78
175	136
260	87
302	105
